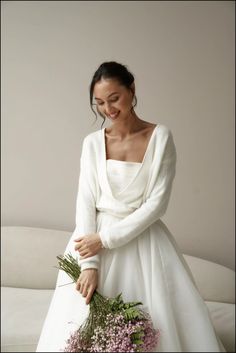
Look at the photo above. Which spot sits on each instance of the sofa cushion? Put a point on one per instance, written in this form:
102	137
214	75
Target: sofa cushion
23	312
223	317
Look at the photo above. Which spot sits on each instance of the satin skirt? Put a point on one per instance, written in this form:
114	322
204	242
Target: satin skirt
150	269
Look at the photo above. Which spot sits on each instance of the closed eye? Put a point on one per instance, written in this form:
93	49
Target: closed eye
111	101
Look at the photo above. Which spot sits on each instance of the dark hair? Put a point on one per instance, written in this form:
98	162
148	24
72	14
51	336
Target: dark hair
111	70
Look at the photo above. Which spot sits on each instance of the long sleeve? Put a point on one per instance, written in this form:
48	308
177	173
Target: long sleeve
156	202
86	203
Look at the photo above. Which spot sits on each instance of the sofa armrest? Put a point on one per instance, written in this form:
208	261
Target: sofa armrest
28	256
215	282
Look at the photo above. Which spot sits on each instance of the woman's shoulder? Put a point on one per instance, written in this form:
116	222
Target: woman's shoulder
93	137
163	128
163	132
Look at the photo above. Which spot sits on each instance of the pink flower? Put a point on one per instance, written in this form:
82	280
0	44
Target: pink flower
112	325
117	335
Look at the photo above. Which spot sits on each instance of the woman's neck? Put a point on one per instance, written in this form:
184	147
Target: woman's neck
126	127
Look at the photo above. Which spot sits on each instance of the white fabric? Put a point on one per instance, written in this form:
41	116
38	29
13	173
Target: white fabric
141	258
120	174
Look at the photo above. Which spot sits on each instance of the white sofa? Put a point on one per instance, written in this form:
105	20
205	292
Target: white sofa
29	277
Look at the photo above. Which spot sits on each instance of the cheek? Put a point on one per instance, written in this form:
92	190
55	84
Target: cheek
124	104
100	111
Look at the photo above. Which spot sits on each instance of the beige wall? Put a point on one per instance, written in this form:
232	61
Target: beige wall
182	54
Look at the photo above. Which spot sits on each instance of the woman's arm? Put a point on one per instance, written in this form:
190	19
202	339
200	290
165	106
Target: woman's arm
86	204
152	209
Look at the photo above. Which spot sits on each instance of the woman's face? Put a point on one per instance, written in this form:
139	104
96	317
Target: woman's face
113	100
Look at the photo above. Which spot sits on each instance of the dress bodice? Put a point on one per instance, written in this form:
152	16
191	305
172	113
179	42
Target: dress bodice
120	174
125	190
123	186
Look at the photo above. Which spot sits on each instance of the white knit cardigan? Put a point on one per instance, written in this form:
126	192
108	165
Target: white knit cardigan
155	199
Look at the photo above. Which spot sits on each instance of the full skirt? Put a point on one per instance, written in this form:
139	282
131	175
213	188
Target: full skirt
150	269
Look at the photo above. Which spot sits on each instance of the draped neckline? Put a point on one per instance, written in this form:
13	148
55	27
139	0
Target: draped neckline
104	161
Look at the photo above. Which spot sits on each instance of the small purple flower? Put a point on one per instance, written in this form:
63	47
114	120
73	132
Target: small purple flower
117	335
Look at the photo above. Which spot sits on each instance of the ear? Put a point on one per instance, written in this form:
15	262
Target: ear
132	88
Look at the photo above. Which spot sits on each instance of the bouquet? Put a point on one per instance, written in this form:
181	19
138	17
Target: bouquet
112	325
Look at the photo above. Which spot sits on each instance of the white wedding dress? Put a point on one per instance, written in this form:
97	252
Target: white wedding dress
149	268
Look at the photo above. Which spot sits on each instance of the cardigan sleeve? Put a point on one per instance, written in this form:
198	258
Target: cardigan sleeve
86	204
152	209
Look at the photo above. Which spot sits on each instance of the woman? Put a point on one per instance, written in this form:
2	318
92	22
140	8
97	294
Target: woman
126	176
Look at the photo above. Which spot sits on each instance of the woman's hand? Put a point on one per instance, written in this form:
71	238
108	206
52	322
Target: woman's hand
88	245
87	283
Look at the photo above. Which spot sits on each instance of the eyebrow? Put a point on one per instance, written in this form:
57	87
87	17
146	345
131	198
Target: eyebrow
108	96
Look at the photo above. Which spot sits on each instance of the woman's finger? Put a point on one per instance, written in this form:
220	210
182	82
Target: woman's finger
80	247
79	239
77	247
79	243
89	294
83	256
84	291
83	252
78	285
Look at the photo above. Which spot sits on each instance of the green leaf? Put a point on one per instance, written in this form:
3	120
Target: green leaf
138	342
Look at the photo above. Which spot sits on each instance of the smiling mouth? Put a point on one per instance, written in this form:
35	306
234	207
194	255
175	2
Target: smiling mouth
113	116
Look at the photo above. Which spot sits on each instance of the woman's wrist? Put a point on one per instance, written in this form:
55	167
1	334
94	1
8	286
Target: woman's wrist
90	269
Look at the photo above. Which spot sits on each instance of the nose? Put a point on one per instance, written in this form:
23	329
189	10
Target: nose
108	108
